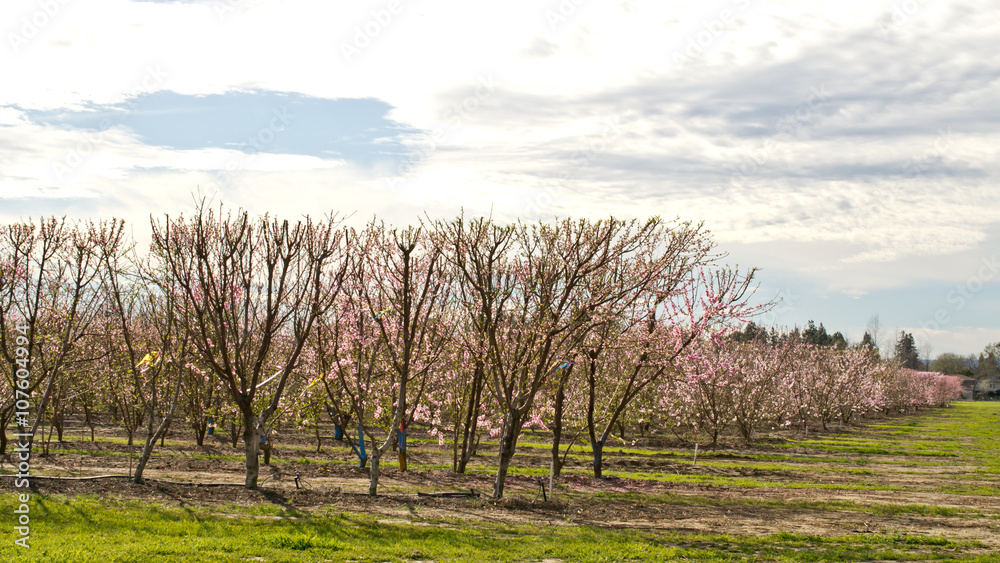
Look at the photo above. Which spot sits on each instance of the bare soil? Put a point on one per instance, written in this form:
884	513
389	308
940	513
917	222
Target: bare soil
790	499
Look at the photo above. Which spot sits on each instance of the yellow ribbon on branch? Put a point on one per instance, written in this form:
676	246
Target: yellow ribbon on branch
149	359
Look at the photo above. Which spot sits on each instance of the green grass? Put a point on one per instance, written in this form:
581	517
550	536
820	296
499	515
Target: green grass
959	443
981	490
83	530
787	467
697	478
873	450
882	509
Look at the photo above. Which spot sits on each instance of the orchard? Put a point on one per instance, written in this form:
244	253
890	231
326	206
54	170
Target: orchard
468	330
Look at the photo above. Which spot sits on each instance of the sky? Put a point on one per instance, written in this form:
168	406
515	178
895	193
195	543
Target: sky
847	149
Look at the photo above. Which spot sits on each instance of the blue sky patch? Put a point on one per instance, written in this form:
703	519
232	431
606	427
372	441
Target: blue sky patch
356	130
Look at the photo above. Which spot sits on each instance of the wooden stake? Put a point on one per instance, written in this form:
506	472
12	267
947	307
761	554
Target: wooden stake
552	472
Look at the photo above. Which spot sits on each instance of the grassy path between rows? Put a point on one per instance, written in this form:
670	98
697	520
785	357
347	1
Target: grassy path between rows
89	530
92	529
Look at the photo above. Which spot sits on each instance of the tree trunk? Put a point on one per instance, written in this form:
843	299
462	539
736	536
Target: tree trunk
454	446
401	443
319	439
234	432
160	432
58	421
30	440
373	484
472	419
508	441
362	454
556	467
89	421
252	444
557	461
4	421
45	441
199	432
505	455
147	450
598	448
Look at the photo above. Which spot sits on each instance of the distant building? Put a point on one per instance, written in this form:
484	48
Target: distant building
988	388
968	388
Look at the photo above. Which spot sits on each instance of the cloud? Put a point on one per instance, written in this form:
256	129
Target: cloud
252	122
850	147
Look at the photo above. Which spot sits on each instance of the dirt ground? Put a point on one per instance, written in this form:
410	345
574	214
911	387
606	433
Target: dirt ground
794	498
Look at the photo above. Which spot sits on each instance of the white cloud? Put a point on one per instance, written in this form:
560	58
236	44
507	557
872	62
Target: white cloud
703	110
964	340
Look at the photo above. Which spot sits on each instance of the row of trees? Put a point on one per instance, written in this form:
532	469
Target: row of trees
755	385
470	327
985	365
904	351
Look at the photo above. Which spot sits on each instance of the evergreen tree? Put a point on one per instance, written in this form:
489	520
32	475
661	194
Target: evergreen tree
838	341
906	351
752	332
988	365
816	336
868	343
749	333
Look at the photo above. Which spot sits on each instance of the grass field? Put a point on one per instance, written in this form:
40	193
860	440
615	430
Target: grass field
914	488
